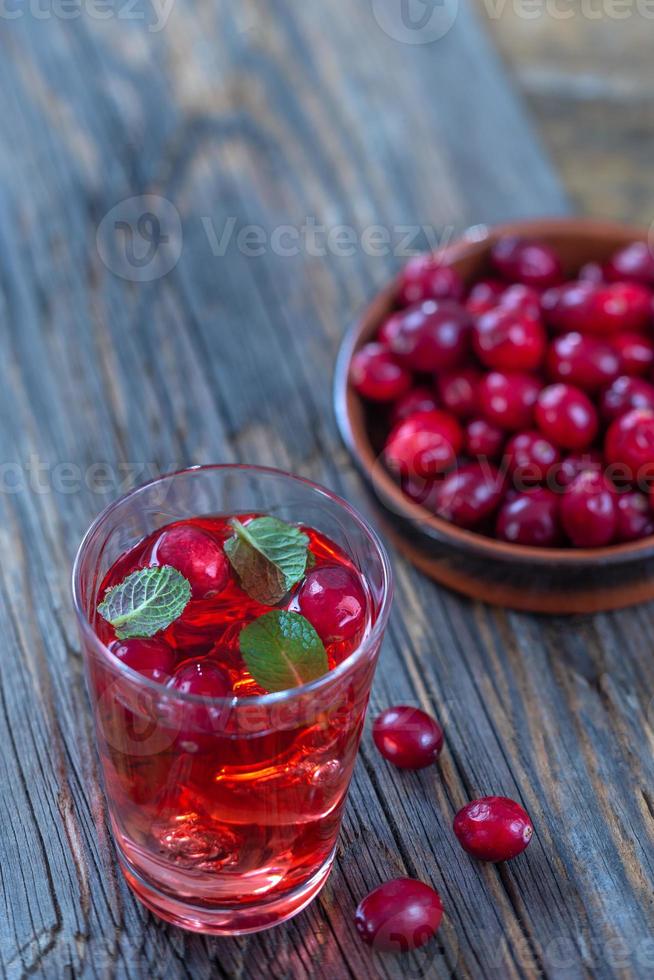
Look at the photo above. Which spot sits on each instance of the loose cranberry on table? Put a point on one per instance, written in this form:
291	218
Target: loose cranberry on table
333	601
589	511
482	438
530	518
530	262
629	443
507	399
484	295
470	493
493	828
585	361
377	375
420	399
400	915
530	458
635	518
636	353
408	737
585	307
425	277
197	556
457	391
624	395
566	416
434	336
424	444
633	263
509	340
151	657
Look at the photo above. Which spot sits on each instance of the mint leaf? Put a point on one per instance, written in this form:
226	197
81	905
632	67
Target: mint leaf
282	649
146	601
268	556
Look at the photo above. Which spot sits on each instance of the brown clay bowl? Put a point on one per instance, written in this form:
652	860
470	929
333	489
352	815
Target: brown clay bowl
549	580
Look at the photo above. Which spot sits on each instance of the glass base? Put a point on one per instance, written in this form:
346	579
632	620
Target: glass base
235	921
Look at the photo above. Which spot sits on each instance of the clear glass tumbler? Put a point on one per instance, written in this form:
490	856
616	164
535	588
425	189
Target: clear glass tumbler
225	812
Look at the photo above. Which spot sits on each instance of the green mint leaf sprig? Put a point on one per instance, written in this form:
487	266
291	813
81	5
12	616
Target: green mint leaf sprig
282	650
146	601
268	556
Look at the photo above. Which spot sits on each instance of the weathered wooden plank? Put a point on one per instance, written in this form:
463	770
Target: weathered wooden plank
273	114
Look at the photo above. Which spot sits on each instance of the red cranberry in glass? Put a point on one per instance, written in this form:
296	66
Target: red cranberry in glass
457	391
636	353
530	518
196	722
400	915
151	657
509	340
530	262
493	828
408	737
530	458
484	295
420	399
566	416
377	375
635	519
587	308
424	444
591	272
202	679
521	299
470	493
434	336
425	277
482	438
629	444
633	263
624	395
576	463
508	399
197	556
589	512
582	360
333	601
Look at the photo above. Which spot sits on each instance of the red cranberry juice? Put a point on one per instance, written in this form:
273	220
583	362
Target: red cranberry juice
224	802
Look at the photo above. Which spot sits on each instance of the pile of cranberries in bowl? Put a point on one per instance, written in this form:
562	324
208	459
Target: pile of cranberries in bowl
521	405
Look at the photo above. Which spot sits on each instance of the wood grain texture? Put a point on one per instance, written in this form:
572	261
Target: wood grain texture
272	112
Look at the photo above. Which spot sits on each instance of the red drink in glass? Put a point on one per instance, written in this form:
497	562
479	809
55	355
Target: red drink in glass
226	800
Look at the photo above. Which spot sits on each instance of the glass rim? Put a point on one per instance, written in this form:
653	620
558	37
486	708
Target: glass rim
259	700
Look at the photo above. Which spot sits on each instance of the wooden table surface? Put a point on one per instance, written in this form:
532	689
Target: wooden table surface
129	349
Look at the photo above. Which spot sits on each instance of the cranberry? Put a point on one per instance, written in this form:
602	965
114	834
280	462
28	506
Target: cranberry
419	399
588	308
484	295
197	556
636	353
333	600
531	457
530	518
509	340
576	463
529	262
470	493
377	375
566	416
634	517
508	399
633	263
521	299
194	720
493	828
434	336
589	510
629	443
408	737
482	438
151	657
400	915
591	272
584	361
458	391
421	491
425	277
624	395
424	444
